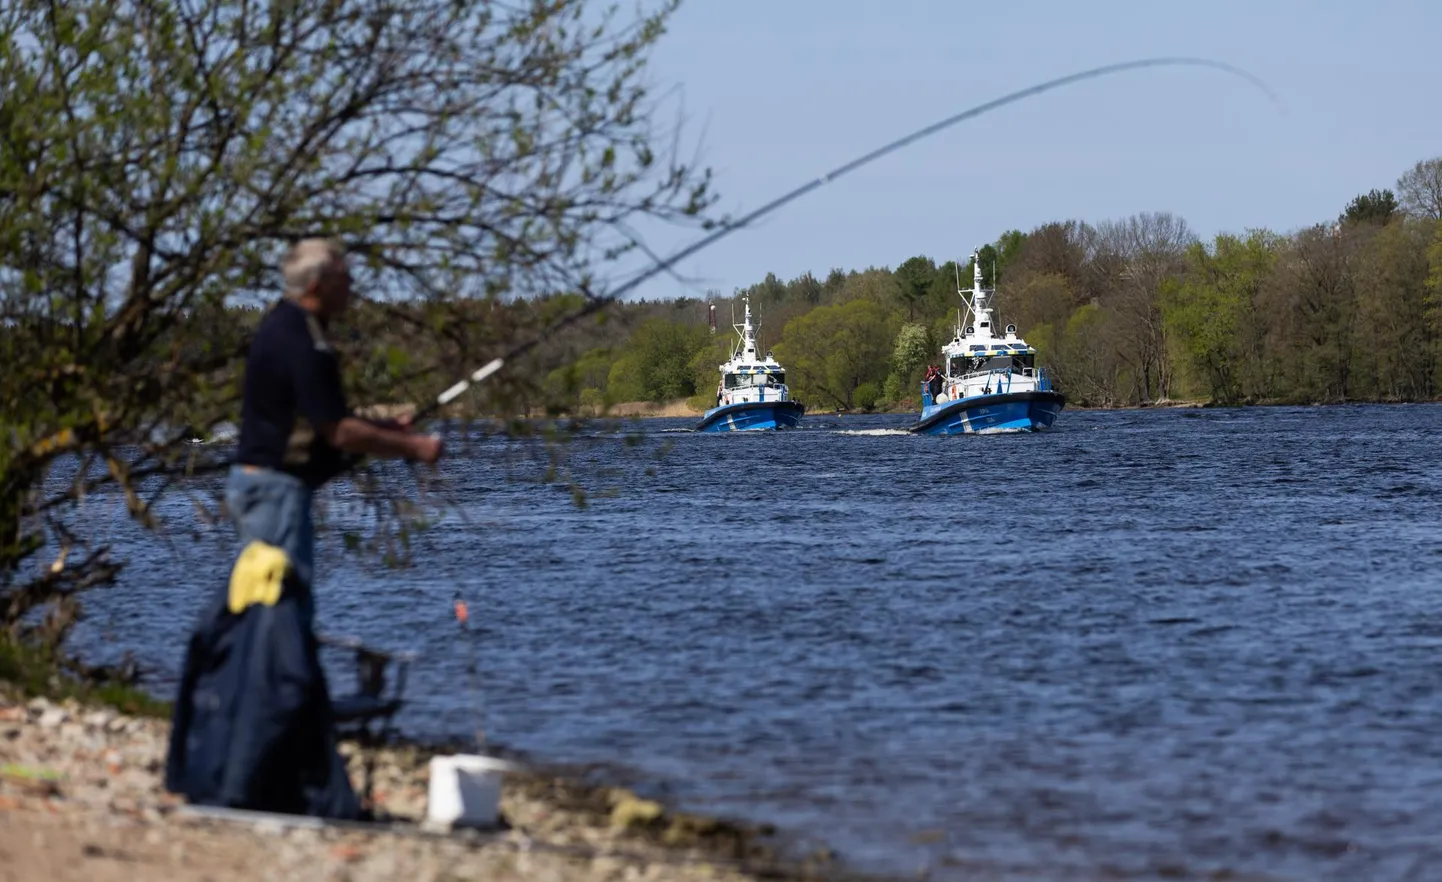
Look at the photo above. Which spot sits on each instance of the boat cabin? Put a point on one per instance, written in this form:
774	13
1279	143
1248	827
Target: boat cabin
1021	361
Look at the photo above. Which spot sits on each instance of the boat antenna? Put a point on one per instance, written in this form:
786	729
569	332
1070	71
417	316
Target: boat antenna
596	303
735	347
993	282
956	266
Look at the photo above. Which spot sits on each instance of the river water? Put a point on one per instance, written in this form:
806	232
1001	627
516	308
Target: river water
1183	644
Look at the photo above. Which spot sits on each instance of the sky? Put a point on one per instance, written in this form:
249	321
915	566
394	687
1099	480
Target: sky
775	92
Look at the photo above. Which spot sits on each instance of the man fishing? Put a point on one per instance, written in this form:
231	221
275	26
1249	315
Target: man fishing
295	427
252	727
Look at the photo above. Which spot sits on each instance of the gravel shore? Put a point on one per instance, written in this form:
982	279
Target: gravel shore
81	798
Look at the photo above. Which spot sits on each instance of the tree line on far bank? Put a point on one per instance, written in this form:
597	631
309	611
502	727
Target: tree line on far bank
1124	312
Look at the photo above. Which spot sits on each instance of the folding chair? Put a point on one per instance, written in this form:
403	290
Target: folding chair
355	713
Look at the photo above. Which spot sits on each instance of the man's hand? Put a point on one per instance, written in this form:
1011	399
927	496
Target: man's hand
426	448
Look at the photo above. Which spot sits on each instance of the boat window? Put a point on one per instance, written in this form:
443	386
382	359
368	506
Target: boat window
745	381
967	364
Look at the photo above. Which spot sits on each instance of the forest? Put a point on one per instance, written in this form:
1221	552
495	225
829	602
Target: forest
1130	312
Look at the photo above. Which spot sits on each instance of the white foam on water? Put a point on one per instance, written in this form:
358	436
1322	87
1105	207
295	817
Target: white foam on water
872	432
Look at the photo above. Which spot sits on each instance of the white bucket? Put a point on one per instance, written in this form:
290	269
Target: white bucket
465	791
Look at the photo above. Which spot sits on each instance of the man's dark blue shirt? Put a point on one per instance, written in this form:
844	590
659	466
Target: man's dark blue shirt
292	384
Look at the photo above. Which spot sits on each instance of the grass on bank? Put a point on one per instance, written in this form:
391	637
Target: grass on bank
38	672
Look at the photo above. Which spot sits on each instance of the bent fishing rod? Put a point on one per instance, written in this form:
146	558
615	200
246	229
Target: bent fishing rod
596	303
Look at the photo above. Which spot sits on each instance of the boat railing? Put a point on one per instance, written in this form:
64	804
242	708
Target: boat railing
742	394
999	381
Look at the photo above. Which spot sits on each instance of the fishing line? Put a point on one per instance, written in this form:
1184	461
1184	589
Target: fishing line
463	617
596	303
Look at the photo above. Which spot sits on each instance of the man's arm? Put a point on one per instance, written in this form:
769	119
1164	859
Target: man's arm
321	399
355	435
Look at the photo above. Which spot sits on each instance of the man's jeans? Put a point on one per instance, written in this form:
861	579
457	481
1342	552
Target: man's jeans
275	508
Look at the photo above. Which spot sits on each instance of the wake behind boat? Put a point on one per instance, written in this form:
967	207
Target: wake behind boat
752	393
988	383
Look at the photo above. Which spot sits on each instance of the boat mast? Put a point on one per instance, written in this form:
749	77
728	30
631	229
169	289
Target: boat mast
979	294
747	344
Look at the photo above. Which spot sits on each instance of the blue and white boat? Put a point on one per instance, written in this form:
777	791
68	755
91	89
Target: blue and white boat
988	383
752	393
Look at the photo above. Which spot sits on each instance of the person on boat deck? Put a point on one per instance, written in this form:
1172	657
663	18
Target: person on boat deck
252	726
933	380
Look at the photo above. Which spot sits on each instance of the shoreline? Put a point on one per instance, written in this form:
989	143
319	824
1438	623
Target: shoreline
81	791
678	408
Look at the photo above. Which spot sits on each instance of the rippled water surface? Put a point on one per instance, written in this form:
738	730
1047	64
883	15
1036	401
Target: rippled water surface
1151	644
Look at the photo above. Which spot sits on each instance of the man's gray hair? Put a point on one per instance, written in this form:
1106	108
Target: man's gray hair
307	261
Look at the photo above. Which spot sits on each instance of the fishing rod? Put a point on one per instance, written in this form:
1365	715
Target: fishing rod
596	303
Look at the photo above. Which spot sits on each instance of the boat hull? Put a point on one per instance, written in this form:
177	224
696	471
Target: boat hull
752	416
1003	412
